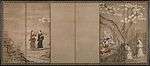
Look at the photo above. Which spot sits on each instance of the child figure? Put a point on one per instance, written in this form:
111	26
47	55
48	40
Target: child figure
129	53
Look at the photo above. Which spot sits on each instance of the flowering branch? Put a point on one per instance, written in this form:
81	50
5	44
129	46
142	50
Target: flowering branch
132	10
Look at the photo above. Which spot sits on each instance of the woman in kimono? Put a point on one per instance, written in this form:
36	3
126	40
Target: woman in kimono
32	40
40	39
129	52
140	51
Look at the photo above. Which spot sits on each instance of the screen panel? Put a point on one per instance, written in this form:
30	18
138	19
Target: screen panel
45	32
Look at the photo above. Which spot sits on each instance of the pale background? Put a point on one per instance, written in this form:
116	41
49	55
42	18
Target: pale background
65	20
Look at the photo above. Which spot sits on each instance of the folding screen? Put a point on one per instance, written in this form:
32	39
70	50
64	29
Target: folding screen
75	32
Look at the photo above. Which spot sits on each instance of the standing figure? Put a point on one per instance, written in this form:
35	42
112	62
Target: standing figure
140	51
40	39
32	40
121	53
129	53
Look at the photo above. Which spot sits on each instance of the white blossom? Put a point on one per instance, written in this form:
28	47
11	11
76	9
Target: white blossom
118	14
141	14
44	19
125	19
130	17
126	8
113	10
133	18
122	21
128	20
128	5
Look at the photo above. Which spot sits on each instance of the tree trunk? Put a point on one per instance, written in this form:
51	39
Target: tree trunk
121	53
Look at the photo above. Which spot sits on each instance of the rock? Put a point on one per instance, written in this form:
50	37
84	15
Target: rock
11	53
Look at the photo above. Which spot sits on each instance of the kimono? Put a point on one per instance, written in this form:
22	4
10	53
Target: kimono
140	51
32	41
129	52
40	40
121	55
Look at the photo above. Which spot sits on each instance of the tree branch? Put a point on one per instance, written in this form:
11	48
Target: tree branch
127	12
131	23
111	21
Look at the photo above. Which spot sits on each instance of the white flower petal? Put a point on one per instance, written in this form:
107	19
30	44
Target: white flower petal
40	20
126	8
122	21
125	19
130	16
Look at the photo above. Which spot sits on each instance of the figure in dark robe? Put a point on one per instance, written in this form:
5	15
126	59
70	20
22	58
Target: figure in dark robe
32	40
40	40
121	55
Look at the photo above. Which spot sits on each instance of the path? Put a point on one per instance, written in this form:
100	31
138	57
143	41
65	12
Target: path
138	60
35	55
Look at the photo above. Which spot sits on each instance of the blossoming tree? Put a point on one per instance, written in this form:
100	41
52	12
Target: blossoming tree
120	19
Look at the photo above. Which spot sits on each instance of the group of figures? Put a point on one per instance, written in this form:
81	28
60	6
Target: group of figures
140	51
36	37
107	42
106	48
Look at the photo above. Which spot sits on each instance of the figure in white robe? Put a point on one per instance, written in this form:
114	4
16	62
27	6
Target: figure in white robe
129	52
140	51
